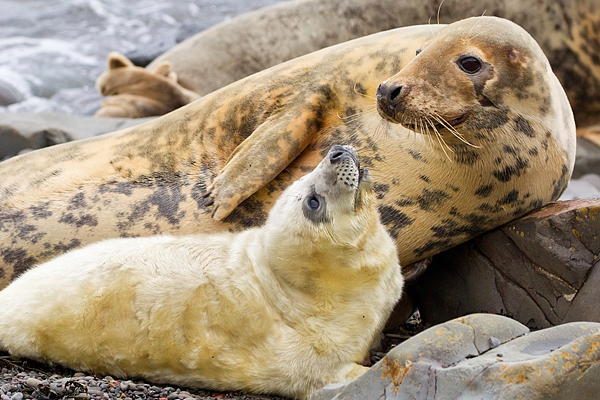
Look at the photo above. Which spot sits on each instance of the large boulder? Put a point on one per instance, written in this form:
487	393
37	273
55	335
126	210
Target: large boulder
542	270
483	357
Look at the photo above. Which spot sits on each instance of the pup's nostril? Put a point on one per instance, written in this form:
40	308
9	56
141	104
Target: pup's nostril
337	156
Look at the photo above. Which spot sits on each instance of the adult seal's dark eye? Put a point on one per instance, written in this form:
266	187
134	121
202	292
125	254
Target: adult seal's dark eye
469	64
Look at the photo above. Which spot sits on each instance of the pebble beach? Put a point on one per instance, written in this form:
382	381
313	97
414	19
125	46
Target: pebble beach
27	379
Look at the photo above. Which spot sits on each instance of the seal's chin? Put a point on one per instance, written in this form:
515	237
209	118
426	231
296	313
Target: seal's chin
453	123
427	125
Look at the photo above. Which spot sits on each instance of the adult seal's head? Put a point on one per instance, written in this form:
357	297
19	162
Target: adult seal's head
475	81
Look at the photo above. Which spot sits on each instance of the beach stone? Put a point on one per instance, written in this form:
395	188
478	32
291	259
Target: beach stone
542	270
587	155
21	131
593	179
588	186
453	361
33	383
9	93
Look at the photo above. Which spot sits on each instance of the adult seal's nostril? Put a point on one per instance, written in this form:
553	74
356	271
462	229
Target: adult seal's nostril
389	93
380	92
395	94
388	97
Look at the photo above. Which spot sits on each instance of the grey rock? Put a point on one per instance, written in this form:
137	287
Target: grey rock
587	158
33	383
443	362
9	93
494	342
59	386
542	270
593	179
583	188
21	131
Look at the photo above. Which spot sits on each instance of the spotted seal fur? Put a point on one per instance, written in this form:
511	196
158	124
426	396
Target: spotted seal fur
221	162
285	308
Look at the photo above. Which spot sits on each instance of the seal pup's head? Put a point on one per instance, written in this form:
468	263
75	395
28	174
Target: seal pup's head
333	202
477	79
327	217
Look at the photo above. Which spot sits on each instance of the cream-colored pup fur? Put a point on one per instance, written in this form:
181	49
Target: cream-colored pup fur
283	309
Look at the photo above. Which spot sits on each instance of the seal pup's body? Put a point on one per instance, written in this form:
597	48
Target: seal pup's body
285	308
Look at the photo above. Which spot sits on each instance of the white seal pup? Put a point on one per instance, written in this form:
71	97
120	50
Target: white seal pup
285	308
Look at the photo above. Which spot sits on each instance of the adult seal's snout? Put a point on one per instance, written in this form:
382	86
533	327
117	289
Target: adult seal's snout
388	98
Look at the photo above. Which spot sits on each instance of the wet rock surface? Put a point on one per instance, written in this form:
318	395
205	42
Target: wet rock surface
587	159
542	270
21	132
484	356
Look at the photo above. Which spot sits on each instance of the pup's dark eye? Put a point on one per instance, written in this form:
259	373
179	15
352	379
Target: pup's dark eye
417	52
469	64
314	207
313	203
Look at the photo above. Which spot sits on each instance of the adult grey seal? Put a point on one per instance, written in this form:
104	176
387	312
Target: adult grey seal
221	162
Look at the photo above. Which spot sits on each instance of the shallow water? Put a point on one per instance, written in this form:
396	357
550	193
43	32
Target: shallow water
52	51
